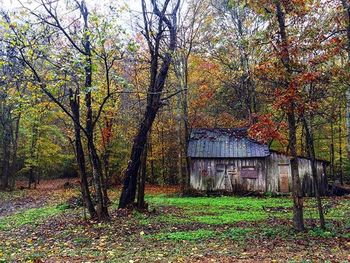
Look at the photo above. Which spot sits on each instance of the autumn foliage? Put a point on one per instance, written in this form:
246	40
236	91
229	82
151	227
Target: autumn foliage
265	129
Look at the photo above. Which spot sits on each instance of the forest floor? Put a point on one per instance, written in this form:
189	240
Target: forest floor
39	226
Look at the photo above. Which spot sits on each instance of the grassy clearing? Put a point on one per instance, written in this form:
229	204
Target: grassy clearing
199	234
30	216
179	230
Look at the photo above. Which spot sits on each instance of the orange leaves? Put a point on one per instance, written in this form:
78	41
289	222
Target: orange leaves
307	77
265	129
205	75
330	49
285	98
205	94
106	134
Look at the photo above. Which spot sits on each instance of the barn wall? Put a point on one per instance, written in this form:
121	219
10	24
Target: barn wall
305	173
225	174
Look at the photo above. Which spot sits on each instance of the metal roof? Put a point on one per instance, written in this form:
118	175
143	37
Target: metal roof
224	143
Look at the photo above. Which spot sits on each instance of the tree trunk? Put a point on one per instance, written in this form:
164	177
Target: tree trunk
181	177
332	153
340	147
186	137
129	187
311	154
83	176
5	173
142	181
14	165
152	178
80	157
101	197
163	156
346	8
158	76
181	70
100	187
298	219
34	154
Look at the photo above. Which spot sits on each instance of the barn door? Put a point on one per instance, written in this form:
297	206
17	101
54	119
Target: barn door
220	176
284	177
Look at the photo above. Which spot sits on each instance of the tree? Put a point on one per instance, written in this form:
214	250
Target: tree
11	93
311	153
298	219
67	51
346	8
160	34
188	35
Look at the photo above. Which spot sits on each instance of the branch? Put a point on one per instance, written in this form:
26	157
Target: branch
173	94
43	88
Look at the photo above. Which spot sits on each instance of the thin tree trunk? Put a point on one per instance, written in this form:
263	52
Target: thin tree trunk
298	216
340	147
181	70
80	157
153	175
158	76
346	8
5	173
100	187
34	154
163	155
298	219
186	136
311	154
129	188
101	198
14	165
142	180
180	149
332	152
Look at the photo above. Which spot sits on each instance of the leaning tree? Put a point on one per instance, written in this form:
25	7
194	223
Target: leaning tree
159	31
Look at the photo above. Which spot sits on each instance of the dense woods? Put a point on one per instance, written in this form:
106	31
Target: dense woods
109	92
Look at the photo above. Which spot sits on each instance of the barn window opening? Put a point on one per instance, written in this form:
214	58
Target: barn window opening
220	168
249	172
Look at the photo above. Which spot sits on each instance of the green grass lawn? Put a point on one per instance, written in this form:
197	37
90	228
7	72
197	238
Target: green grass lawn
179	229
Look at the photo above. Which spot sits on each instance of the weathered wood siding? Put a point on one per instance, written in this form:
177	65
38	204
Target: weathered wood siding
225	174
273	174
273	182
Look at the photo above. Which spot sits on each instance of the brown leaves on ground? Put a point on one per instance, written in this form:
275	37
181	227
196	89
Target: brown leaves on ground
130	236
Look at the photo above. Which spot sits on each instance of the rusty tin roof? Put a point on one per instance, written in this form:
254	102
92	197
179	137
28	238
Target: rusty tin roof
224	143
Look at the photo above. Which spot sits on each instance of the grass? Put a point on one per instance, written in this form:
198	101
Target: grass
219	210
30	216
199	234
180	229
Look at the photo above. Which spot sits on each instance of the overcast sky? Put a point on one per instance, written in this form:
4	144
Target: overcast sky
133	4
128	19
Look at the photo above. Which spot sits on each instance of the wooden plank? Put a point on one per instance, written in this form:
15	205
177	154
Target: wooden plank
283	178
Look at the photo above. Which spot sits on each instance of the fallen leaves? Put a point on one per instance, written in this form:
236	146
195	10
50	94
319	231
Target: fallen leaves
69	238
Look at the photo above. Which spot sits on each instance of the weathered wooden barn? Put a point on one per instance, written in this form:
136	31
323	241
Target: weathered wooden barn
226	159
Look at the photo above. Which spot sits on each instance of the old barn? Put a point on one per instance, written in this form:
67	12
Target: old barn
227	160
